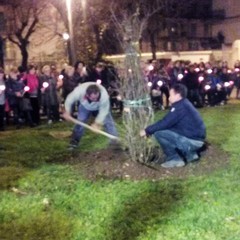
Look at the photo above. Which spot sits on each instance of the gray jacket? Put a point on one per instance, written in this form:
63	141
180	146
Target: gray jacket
79	94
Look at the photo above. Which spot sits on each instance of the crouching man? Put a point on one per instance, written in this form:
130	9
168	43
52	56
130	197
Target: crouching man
181	133
93	100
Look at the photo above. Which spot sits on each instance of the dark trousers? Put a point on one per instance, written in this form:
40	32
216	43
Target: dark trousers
53	112
2	114
35	110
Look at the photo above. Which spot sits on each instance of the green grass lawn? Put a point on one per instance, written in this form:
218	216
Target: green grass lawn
42	199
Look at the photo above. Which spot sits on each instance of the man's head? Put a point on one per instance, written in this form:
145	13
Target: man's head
177	92
93	93
100	66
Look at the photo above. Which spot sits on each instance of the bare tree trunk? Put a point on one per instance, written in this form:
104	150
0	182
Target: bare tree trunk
137	105
153	45
24	52
1	52
99	42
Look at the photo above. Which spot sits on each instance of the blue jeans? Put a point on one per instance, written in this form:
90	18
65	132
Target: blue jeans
173	143
83	116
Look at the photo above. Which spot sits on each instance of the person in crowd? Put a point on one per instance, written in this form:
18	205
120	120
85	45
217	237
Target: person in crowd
80	72
14	92
2	99
216	93
191	81
31	80
181	133
225	77
114	88
164	77
70	81
48	86
93	100
155	90
99	74
236	78
171	73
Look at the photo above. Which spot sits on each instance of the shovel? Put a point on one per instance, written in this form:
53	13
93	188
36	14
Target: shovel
92	129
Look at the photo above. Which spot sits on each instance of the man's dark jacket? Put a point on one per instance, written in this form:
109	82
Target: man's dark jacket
183	119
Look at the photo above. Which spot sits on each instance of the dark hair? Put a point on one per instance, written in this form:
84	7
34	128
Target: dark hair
92	89
21	69
30	67
100	64
77	63
181	89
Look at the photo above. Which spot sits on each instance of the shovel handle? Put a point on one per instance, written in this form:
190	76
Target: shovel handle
92	129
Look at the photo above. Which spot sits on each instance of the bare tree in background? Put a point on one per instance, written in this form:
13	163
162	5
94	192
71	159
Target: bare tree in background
22	21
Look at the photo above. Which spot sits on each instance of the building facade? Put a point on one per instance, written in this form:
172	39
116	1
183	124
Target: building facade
208	30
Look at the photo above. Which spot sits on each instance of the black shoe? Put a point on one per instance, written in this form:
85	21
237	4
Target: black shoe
115	145
203	149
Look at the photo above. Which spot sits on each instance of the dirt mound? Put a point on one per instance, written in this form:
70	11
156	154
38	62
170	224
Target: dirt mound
107	164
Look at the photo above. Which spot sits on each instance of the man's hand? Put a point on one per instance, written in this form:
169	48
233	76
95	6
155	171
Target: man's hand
143	133
96	126
67	116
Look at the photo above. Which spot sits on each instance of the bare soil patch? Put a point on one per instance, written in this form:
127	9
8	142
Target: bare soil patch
107	164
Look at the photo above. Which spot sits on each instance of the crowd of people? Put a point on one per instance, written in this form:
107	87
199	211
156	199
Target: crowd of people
28	94
207	85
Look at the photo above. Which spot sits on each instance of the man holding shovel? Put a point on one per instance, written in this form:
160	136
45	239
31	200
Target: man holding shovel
93	100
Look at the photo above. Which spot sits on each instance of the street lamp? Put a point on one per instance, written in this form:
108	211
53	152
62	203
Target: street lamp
71	35
66	38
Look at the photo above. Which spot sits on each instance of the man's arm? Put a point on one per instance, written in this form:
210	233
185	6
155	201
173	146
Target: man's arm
171	119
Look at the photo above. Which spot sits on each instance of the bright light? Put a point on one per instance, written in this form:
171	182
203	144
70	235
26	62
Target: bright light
149	84
237	69
65	36
45	84
119	98
60	76
150	67
99	81
160	83
229	71
130	70
231	82
209	71
197	69
201	78
207	87
2	87
226	84
26	88
186	71
180	76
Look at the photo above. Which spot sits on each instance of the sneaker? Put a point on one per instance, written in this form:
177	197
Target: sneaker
173	163
72	147
193	157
